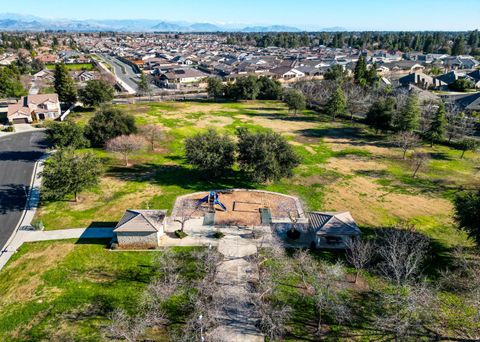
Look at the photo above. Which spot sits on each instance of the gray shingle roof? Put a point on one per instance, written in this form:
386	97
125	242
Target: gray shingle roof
329	223
141	221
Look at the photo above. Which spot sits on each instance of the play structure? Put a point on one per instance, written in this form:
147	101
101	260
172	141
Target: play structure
212	199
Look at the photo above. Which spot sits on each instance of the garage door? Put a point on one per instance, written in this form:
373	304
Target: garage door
20	121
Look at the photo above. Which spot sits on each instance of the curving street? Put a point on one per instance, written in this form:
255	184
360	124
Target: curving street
18	154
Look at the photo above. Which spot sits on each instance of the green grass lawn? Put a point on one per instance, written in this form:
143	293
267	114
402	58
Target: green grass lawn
65	290
344	166
73	67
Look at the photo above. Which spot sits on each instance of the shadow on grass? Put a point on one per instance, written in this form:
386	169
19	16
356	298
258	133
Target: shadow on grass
182	176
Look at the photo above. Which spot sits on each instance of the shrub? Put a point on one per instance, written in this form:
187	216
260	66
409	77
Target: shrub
218	235
179	234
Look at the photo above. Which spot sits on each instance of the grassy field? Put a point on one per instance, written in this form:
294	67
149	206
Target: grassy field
344	167
57	291
73	67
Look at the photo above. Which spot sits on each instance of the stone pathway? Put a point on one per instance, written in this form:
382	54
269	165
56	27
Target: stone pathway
238	319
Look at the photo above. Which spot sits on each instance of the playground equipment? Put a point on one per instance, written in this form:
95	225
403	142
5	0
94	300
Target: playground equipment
212	200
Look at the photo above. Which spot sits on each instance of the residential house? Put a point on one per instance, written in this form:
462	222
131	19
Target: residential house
34	108
333	230
421	80
173	77
287	73
140	228
468	102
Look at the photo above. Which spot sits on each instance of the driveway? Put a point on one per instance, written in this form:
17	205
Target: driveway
18	154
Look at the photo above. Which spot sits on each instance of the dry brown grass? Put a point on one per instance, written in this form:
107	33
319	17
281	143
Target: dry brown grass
375	207
28	270
350	165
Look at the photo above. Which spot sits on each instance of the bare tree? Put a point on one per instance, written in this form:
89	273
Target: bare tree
359	99
126	145
329	284
287	208
185	211
359	254
124	327
406	141
153	134
406	312
402	252
429	109
419	160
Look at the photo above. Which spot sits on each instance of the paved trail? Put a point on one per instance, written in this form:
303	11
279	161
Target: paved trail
238	319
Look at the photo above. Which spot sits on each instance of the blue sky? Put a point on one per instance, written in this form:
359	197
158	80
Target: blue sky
305	14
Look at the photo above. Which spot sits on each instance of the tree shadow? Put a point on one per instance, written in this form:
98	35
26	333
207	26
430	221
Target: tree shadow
178	175
13	198
21	156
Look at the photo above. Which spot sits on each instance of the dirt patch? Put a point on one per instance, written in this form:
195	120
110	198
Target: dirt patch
277	124
243	207
354	164
339	144
28	271
214	121
370	205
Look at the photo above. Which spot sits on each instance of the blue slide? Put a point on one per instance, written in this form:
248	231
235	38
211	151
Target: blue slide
212	199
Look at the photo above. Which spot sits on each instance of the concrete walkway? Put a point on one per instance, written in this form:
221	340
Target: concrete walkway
33	236
238	317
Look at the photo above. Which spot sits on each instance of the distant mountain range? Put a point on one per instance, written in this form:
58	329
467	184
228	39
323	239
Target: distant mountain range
18	22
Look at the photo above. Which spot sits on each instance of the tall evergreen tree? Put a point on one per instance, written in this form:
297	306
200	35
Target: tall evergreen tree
458	47
437	127
64	85
360	71
337	104
407	119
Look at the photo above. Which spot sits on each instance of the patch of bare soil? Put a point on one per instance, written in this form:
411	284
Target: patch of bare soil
370	205
349	165
243	207
277	124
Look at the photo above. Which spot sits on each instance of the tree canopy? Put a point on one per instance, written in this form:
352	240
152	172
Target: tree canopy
64	85
107	124
467	213
96	92
66	134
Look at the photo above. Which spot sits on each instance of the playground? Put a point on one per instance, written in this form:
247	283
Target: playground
240	207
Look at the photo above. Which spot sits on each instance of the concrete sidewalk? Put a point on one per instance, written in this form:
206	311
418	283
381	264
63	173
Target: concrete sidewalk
51	235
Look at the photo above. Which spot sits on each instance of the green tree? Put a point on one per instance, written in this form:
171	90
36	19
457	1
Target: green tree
10	85
66	134
210	152
407	119
215	88
438	125
96	92
107	124
335	73
381	114
458	47
467	213
64	85
265	156
245	88
371	77
143	84
68	172
467	144
360	72
270	89
294	99
337	104
462	84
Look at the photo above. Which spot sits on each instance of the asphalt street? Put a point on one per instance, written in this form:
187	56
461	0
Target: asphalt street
18	154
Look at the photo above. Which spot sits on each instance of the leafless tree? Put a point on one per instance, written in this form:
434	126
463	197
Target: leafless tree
406	311
406	141
359	99
124	327
153	134
419	160
359	254
287	208
329	284
429	109
459	125
126	145
185	211
402	252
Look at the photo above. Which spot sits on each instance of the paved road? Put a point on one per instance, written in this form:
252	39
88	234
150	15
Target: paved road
123	71
18	154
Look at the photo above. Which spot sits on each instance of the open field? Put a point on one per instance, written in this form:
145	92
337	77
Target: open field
344	167
59	291
73	67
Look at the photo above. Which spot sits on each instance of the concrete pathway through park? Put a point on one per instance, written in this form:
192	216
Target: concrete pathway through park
238	317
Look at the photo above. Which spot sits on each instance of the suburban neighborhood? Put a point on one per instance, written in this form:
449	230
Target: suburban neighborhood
214	175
